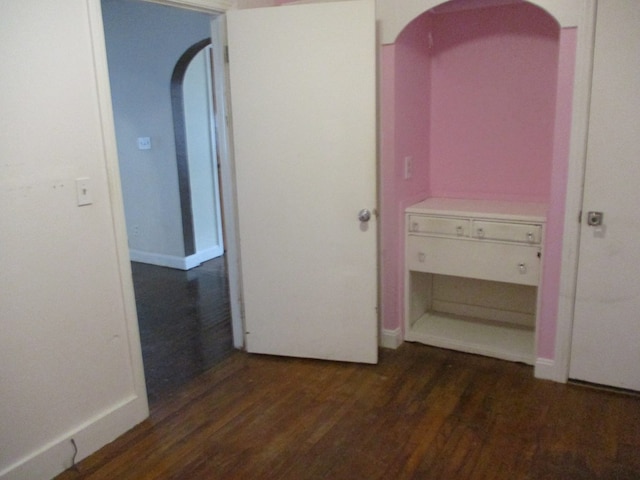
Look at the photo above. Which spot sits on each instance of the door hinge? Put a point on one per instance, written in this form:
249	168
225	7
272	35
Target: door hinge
580	217
226	53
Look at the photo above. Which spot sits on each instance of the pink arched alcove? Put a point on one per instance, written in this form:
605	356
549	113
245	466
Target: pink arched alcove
478	101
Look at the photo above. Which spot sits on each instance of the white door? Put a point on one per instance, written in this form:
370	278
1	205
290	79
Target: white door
606	332
303	103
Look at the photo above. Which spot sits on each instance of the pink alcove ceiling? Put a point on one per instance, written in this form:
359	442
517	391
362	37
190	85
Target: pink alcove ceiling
480	100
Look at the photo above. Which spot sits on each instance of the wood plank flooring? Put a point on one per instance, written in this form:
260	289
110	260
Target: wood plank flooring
185	322
421	413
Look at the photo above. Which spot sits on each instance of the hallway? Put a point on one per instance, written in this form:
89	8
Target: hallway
185	322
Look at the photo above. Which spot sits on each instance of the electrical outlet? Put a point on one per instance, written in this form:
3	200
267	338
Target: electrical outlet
144	143
408	167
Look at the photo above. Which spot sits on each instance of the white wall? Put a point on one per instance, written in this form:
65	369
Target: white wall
70	362
201	150
144	42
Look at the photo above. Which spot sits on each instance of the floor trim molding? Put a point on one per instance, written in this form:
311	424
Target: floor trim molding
547	369
175	261
391	338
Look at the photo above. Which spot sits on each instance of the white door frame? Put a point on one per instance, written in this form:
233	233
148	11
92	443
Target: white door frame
227	175
558	368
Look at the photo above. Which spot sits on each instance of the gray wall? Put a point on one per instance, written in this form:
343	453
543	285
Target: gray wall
144	42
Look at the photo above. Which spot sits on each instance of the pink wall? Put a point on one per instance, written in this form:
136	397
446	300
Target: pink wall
485	113
492	100
413	104
405	116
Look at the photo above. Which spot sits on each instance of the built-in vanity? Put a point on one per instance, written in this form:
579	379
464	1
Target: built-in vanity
472	275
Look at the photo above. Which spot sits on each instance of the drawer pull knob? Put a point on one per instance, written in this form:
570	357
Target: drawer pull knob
480	233
421	257
459	230
414	227
530	237
522	268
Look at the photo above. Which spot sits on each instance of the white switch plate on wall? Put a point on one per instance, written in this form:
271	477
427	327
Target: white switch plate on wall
408	167
83	191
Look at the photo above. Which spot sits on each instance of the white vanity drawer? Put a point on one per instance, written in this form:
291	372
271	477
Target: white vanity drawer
450	226
510	232
468	258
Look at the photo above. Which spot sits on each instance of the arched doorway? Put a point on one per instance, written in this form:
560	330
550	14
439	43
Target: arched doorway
196	153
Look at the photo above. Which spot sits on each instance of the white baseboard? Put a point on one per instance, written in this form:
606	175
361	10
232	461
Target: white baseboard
57	456
202	256
172	261
391	338
546	369
175	261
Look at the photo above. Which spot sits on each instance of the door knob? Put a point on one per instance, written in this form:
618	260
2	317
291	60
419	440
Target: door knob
594	219
364	215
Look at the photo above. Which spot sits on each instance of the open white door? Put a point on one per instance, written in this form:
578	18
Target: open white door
303	102
606	332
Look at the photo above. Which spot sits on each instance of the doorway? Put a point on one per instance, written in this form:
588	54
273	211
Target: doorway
183	311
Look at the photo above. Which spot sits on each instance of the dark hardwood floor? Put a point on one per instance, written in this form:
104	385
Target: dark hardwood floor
184	320
421	413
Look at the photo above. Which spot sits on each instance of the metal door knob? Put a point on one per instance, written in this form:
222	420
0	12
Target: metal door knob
364	215
594	219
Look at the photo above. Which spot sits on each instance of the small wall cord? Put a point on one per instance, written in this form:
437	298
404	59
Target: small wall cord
74	466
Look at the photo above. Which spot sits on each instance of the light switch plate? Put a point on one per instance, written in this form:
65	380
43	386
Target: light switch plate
83	191
408	167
